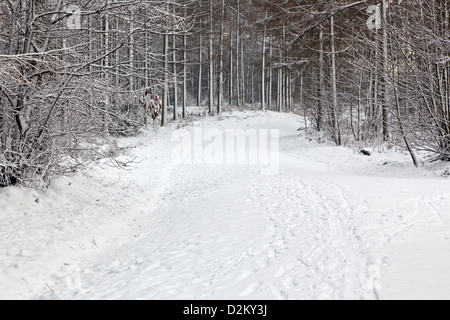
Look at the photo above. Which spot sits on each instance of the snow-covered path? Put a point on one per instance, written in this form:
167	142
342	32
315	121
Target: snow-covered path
230	232
218	242
331	224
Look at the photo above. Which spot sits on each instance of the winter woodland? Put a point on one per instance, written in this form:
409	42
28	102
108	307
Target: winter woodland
296	125
72	75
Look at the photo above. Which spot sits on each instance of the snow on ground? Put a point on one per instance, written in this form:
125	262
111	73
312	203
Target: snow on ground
331	224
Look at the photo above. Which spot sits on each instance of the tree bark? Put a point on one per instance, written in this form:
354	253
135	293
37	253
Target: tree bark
334	111
238	56
231	83
131	55
166	81
321	89
242	65
221	59
270	75
175	78
200	71
184	69
385	80
263	67
211	61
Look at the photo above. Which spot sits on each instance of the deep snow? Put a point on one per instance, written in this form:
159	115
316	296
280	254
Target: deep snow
331	224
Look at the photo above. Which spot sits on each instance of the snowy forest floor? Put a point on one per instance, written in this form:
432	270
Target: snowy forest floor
331	224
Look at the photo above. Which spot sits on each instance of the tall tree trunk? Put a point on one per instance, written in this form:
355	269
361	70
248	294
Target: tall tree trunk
238	56
253	87
231	87
21	107
242	64
29	27
175	78
200	71
280	83
263	67
106	65
146	61
401	128
385	79
291	92
184	69
302	105
286	89
166	80
334	111
117	55
12	28
211	61
270	75
131	56
376	85
321	88
221	58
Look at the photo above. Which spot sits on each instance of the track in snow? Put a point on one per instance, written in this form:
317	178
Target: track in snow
331	224
223	232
